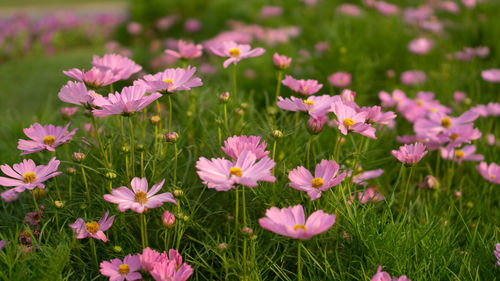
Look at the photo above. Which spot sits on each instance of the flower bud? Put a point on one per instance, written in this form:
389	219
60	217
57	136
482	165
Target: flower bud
59	204
125	149
222	247
117	249
315	125
168	219
178	193
224	97
281	62
247	230
277	134
172	137
155	119
71	171
230	217
139	147
110	175
39	192
78	156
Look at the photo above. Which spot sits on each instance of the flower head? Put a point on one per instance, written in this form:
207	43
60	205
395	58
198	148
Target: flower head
170	80
131	100
340	79
281	62
303	87
410	154
118	270
413	77
489	172
27	175
95	77
368	195
348	119
316	106
93	229
44	137
463	154
186	50
491	75
77	93
121	67
420	46
291	222
170	267
233	51
360	177
497	253
384	276
139	199
235	145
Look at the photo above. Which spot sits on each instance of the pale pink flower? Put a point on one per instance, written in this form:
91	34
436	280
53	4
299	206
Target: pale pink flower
397	98
77	93
497	253
121	67
418	14
350	120
192	25
186	50
118	270
340	79
376	115
361	178
325	176
315	124
420	46
349	9
67	112
348	95
291	222
9	195
234	51
315	106
303	87
322	46
27	175
490	172
44	137
463	154
93	229
368	195
431	25
421	107
235	145
469	3
139	199
95	77
491	109
448	6
148	258
386	8
410	154
281	62
168	219
170	80
223	175
171	268
134	28
131	100
413	77
270	11
459	96
491	75
429	182
384	276
441	123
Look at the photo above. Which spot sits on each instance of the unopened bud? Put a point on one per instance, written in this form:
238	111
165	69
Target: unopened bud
125	149
222	247
59	204
78	156
224	97
39	193
178	193
168	219
117	249
140	147
277	134
247	230
155	119
110	175
71	171
172	137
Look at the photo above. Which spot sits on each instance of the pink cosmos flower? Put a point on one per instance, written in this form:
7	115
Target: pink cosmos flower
421	107
491	173
192	25
459	96
325	176
497	253
491	109
118	270
170	80
469	3
384	276
491	75
27	175
413	77
340	79
350	120
148	258
67	112
362	177
459	135
386	9
223	174
270	11
186	51
349	9
235	145
316	106
168	219
376	115
315	124
464	154
410	154
448	6
397	98
412	15
368	195
291	222
121	67
93	229
131	100
429	182
95	77
134	28
234	51
2	244
440	123
348	95
139	199
9	195
303	87
77	93
171	267
44	137
420	46
281	62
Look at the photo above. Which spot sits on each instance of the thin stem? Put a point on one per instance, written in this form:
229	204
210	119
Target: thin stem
225	119
299	262
175	163
94	252
85	184
236	222
169	112
274	153
158	109
142	164
132	146
438	159
141	222
57	188
155	150
407	185
235	93
70	182
145	223
36	205
309	150
278	86
101	147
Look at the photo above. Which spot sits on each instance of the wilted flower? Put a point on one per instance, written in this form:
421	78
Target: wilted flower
44	137
93	229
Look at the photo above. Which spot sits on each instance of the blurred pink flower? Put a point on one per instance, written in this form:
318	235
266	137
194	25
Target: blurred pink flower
448	6
192	25
386	9
9	195
368	195
170	80
235	145
304	87
459	96
131	100
410	154
469	3
44	137
121	67
497	253
413	77
420	46
118	270
325	176
376	115
491	109
93	229
67	112
459	155
281	62
234	52
186	50
27	175
315	106
291	222
489	172
340	79
491	75
384	276
148	258
349	9
134	28
270	11
95	78
361	178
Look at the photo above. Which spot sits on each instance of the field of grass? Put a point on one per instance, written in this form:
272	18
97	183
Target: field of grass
436	235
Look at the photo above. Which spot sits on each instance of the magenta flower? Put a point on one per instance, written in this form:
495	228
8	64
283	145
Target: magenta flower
131	100
170	80
281	62
235	145
186	51
95	77
234	51
27	175
118	270
340	79
491	173
384	276
93	229
44	137
77	93
303	87
410	154
121	67
350	120
315	106
139	199
420	46
171	267
148	258
325	176
413	77
491	75
291	222
361	177
459	155
223	174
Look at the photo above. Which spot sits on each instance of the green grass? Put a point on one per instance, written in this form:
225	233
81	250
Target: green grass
436	236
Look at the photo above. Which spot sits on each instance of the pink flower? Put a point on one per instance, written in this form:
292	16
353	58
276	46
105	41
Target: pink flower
491	75
397	98
315	124
448	6
281	62
315	106
410	154
168	219
303	87
291	222
368	195
95	77
270	11
170	80
9	195
340	79
429	182
235	145
491	109
350	120
134	28
497	253
361	178
118	270
77	93
325	176
27	175
192	25
93	229
186	50
67	112
386	8
413	77
491	173
2	244
234	51
148	258
459	96
44	137
139	198
171	268
420	46
469	3
223	174
131	100
441	123
464	154
121	67
384	276
376	115
349	9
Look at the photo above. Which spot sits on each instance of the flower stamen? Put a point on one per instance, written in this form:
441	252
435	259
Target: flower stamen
317	182
92	227
141	197
29	177
236	171
49	140
348	122
124	269
299	226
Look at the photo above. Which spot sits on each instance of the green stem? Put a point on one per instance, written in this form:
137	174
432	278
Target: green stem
407	185
132	146
70	182
85	184
309	150
142	164
274	153
235	93
278	86
145	222
94	252
57	188
245	236
101	147
175	164
438	159
141	222
236	223
169	112
299	262
225	119
155	150
36	204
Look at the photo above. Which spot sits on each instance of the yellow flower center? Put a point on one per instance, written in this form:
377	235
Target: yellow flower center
141	197
304	89
92	227
459	154
236	171
308	102
433	110
419	102
168	81
49	140
124	269
348	122
317	182
453	136
492	177
300	226
234	52
29	177
446	122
